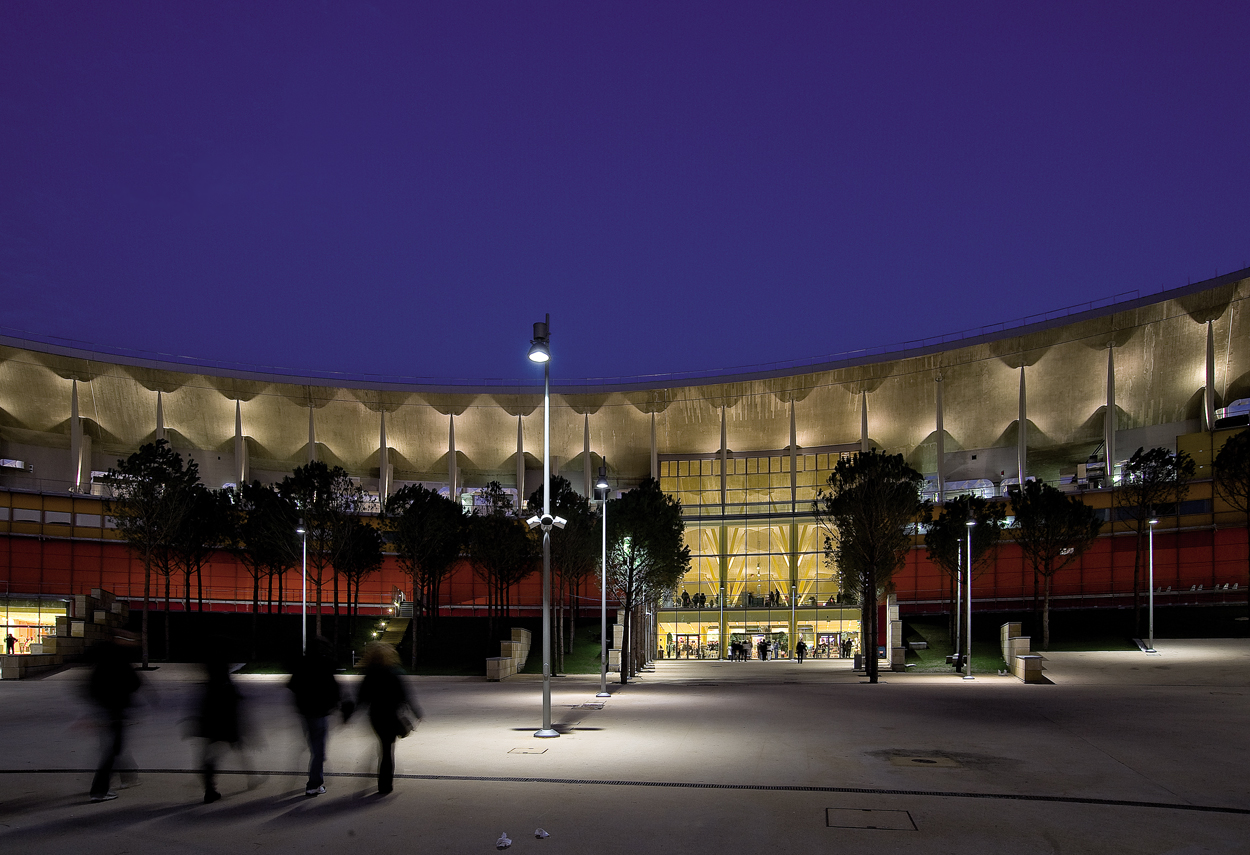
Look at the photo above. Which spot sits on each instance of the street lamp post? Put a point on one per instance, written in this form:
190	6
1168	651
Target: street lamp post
968	633
959	598
1153	522
303	624
540	351
602	485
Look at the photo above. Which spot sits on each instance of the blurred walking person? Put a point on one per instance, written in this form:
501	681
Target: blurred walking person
112	686
390	709
316	696
220	720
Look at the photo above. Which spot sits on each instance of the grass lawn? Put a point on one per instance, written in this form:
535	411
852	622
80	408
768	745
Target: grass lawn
583	660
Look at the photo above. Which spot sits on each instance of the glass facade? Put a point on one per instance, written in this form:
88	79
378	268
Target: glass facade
757	576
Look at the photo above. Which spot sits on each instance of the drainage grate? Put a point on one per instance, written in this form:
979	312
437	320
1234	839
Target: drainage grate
594	705
878	820
923	761
528	751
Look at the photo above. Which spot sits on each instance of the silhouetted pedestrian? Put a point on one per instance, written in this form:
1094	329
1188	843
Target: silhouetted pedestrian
9	643
316	696
763	649
112	686
384	694
220	720
800	650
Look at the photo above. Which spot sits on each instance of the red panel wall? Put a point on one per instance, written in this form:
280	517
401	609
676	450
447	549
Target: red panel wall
62	567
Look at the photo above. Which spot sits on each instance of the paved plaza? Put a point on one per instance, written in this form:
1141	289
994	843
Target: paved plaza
1124	753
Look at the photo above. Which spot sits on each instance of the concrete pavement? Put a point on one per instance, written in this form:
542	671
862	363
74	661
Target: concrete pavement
1124	753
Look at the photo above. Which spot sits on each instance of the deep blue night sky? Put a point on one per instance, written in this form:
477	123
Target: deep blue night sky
402	189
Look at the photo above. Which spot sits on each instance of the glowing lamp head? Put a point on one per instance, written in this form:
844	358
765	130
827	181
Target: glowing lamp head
539	352
540	344
602	482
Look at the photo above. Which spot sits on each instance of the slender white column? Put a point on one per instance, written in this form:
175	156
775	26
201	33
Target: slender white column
1022	447
724	461
655	454
160	416
384	478
75	436
240	447
451	454
941	446
794	457
586	455
312	436
1208	393
1108	422
863	420
520	466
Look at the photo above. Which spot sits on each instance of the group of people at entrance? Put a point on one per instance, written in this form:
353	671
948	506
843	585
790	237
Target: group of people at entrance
698	601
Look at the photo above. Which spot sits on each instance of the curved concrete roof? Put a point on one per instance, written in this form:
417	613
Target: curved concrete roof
1159	346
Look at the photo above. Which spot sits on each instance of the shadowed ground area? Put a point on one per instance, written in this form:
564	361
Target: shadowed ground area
1124	753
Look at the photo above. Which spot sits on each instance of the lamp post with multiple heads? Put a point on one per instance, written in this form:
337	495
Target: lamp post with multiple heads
540	352
1154	521
303	624
968	633
603	486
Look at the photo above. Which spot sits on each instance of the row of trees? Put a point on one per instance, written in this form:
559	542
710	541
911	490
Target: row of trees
646	553
174	523
872	502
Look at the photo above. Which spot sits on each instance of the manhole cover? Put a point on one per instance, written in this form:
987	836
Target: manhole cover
528	751
593	706
879	820
922	761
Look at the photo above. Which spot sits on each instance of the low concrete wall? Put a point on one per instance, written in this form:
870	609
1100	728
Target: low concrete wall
512	658
1028	668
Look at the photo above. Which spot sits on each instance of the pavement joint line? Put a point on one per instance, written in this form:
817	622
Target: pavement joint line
689	785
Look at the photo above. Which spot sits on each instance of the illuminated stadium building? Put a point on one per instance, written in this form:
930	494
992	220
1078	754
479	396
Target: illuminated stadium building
1055	398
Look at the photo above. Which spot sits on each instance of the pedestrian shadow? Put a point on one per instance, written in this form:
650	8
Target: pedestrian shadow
302	810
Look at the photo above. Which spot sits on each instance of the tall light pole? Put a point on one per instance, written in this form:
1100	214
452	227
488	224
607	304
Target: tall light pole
540	351
959	598
968	633
603	486
1153	522
303	624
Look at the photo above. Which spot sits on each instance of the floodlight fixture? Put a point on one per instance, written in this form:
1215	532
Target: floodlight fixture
540	344
559	522
533	522
602	482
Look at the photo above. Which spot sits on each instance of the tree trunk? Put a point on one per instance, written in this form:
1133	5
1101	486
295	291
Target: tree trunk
147	591
317	623
1137	543
870	652
199	587
186	590
627	608
167	653
255	607
954	617
1046	618
335	639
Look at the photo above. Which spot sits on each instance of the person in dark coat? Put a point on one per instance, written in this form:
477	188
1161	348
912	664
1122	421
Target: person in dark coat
800	650
384	694
220	719
112	685
316	696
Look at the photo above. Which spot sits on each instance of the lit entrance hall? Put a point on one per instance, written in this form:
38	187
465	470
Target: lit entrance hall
757	575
